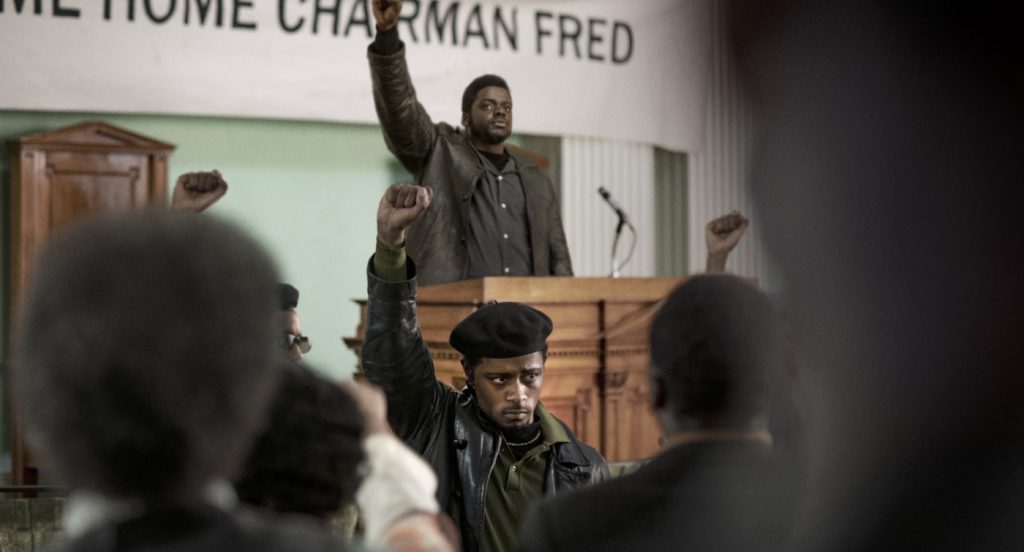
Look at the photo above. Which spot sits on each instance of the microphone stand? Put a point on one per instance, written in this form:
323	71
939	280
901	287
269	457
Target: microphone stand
623	221
616	267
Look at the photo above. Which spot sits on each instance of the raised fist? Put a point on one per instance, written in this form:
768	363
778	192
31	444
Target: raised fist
398	208
386	13
721	236
195	191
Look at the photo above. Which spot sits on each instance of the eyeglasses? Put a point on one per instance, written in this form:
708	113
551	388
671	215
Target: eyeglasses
291	340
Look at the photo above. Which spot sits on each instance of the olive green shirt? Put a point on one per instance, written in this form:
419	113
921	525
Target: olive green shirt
513	485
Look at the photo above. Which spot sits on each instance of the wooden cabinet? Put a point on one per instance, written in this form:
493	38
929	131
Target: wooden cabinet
595	377
62	175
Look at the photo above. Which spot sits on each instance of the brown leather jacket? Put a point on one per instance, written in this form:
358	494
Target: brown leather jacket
441	157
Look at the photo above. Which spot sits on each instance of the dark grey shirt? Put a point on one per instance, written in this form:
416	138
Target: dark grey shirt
499	231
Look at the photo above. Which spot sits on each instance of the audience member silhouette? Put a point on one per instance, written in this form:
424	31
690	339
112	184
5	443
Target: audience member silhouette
145	367
308	459
715	355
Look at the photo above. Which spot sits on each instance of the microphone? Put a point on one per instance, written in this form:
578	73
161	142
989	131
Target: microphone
611	202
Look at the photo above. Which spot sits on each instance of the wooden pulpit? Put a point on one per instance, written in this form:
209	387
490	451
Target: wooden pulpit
595	378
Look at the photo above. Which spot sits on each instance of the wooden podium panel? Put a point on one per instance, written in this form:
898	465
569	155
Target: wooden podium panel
595	378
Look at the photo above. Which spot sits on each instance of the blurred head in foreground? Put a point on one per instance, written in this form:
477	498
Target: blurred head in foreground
146	353
308	459
715	352
888	173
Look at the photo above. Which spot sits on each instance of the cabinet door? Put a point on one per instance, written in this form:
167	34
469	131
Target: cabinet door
81	184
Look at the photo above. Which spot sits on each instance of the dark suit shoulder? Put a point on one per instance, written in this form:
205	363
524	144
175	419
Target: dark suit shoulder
692	497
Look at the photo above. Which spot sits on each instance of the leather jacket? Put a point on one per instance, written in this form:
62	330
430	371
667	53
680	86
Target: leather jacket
442	424
441	157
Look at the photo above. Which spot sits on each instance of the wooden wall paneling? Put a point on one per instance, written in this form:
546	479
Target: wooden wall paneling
627	348
572	389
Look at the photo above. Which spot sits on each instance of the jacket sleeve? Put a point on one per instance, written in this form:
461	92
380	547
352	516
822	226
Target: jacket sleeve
395	357
560	262
408	130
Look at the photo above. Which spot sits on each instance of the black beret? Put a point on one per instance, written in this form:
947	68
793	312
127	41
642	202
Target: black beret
501	330
288	296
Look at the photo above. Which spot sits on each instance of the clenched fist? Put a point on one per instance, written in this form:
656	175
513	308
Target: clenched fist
399	207
195	191
386	13
721	236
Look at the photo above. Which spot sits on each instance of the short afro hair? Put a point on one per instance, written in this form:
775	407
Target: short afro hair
308	459
479	84
717	345
144	356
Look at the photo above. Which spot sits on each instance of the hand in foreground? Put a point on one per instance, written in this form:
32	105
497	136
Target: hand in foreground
398	208
195	191
372	405
721	236
386	13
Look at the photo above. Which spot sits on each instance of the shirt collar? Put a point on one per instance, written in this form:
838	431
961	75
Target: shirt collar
509	166
551	429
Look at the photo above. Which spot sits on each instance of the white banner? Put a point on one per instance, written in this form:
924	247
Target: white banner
621	70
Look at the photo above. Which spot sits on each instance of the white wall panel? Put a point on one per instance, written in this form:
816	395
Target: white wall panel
626	170
720	174
718	181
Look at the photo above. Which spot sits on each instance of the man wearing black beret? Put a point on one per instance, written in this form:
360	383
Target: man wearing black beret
494	447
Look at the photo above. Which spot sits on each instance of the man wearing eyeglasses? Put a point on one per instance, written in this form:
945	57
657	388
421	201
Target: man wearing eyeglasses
194	192
292	340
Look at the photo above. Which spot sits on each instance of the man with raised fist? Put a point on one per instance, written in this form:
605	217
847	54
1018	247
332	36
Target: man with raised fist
494	211
494	446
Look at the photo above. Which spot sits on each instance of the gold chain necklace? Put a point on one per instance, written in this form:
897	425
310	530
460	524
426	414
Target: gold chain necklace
529	442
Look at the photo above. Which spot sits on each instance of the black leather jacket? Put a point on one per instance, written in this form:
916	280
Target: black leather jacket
442	424
442	158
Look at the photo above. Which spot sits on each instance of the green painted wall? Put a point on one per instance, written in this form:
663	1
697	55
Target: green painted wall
307	191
